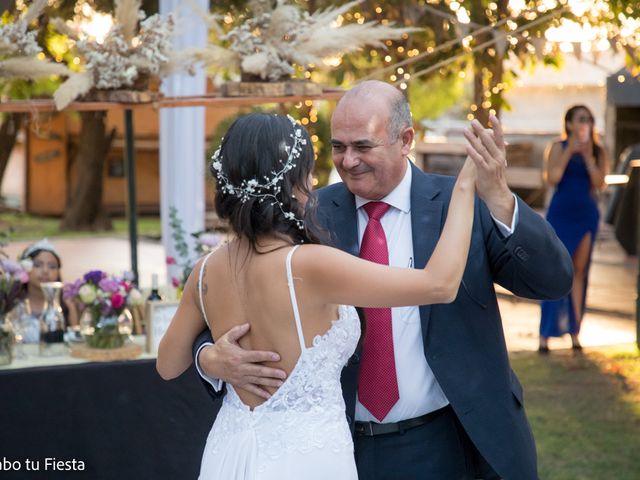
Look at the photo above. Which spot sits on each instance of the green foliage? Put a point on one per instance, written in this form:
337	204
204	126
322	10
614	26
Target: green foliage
430	98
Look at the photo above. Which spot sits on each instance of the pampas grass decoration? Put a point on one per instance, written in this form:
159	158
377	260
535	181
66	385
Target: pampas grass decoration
75	86
29	67
34	11
278	36
127	16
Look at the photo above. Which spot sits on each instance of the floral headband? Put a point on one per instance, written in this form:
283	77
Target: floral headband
270	188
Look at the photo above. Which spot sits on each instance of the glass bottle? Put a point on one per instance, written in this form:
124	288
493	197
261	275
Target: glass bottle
52	321
154	295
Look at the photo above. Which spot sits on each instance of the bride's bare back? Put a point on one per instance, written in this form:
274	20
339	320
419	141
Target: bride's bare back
241	286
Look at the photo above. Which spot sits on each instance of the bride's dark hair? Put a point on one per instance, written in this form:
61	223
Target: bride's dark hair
255	147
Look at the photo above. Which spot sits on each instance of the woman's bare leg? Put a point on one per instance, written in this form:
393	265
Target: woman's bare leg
580	264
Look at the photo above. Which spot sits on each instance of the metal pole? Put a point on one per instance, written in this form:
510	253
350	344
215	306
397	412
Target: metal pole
132	215
636	178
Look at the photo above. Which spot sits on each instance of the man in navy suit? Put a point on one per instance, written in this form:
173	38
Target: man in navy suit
459	412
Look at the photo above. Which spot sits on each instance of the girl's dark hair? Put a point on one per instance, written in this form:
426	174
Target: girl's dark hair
33	255
568	117
254	147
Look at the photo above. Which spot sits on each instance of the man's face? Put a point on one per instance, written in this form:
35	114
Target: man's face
370	163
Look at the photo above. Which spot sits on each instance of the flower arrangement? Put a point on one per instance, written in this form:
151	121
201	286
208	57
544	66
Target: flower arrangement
127	57
13	277
19	48
103	300
279	35
204	243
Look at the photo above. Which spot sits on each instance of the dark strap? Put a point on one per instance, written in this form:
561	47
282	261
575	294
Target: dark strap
371	429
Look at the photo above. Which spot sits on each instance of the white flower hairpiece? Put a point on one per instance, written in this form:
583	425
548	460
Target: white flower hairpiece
271	188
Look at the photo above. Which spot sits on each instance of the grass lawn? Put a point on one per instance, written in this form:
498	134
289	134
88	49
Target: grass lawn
29	227
584	411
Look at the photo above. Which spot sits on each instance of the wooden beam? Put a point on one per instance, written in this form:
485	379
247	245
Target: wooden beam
47	105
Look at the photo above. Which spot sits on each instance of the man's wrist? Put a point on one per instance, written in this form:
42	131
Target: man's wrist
207	349
502	206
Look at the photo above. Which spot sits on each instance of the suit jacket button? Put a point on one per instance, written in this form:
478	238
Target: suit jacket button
521	254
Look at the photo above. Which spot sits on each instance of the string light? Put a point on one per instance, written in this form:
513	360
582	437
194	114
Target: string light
378	10
400	70
474	107
393	78
470	116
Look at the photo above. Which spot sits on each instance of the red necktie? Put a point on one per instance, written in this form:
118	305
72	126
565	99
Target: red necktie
378	383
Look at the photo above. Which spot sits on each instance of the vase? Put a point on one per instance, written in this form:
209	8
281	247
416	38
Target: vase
52	321
106	331
6	342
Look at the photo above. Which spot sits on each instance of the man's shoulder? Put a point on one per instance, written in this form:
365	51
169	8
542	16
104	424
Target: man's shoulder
331	192
430	181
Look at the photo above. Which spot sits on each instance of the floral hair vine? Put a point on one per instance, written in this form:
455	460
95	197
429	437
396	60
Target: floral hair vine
271	187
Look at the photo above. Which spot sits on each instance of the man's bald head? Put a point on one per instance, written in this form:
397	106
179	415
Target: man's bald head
395	104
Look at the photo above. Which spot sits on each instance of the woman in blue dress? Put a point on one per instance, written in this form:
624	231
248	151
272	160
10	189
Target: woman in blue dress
576	167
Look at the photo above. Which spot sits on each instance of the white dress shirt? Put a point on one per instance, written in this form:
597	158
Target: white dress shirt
419	391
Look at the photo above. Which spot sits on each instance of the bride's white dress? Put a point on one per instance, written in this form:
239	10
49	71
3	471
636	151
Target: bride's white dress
301	432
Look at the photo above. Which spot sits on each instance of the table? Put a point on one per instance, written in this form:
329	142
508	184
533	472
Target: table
119	418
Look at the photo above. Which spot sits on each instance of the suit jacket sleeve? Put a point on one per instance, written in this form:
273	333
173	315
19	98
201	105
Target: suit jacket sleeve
532	262
205	337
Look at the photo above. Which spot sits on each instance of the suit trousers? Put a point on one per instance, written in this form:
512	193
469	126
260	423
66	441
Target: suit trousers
437	450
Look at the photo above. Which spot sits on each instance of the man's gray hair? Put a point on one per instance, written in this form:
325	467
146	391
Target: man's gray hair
399	117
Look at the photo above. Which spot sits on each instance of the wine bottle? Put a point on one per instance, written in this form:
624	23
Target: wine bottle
154	295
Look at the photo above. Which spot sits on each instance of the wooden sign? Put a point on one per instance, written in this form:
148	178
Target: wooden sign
158	316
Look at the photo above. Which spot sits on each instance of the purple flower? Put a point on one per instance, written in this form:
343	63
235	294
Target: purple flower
10	266
94	276
71	290
109	285
209	240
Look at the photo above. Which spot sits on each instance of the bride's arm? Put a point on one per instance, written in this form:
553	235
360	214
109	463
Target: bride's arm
340	278
175	350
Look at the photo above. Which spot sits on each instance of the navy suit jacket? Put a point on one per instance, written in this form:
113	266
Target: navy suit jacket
463	341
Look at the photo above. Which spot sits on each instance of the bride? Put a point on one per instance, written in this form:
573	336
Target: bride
297	296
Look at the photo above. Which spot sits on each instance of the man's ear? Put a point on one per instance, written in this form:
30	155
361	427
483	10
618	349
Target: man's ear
406	137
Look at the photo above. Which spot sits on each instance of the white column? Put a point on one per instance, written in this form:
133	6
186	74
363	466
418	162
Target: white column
182	134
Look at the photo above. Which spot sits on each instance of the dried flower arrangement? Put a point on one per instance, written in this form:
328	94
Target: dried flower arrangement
19	48
268	45
127	57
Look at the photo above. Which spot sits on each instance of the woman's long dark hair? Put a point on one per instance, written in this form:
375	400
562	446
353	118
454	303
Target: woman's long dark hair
254	147
568	117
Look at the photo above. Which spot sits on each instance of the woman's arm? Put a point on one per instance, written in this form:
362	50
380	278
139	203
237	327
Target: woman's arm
174	352
339	278
556	162
597	167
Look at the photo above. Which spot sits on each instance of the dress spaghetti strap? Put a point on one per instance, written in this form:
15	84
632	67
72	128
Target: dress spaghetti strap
204	314
294	302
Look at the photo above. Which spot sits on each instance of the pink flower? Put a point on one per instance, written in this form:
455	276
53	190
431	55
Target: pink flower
175	282
23	277
171	260
117	301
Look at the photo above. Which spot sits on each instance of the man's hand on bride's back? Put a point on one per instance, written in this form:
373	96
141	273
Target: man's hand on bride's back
229	362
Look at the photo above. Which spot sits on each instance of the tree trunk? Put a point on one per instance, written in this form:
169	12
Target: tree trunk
84	207
8	134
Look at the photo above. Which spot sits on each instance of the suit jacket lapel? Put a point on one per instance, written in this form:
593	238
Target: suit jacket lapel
426	225
345	222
